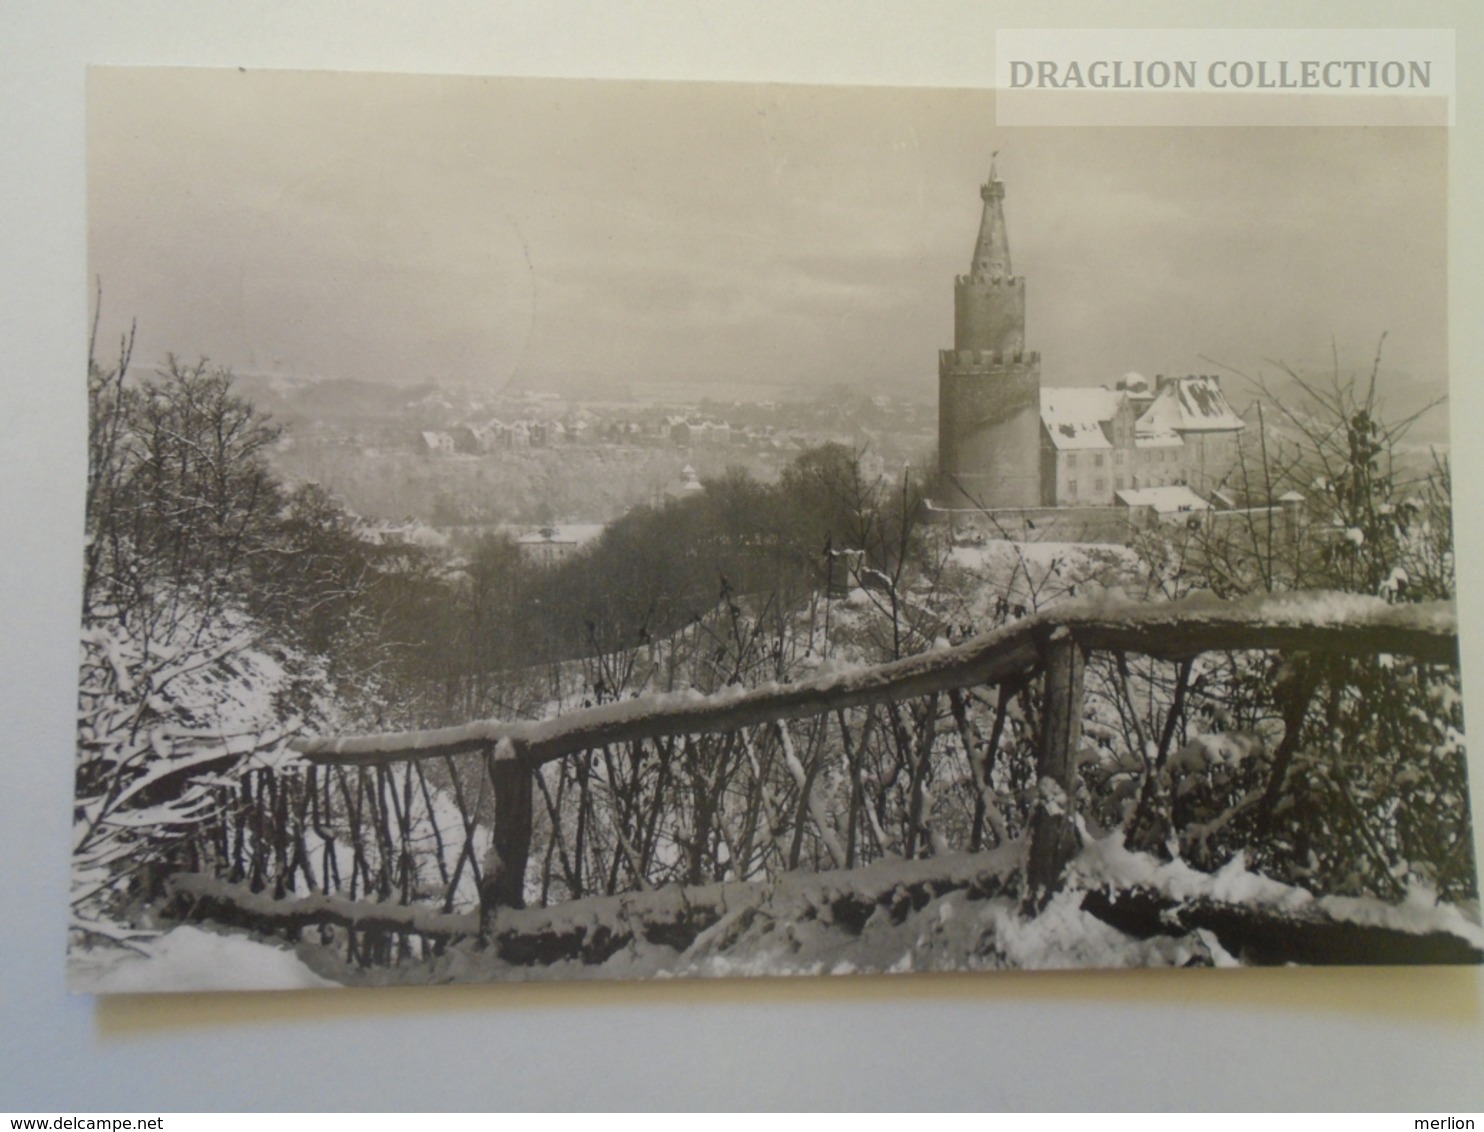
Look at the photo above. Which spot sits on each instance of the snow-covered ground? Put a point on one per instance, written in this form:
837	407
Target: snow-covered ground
950	913
188	958
945	913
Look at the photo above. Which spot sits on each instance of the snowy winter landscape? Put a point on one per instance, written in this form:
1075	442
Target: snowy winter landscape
614	671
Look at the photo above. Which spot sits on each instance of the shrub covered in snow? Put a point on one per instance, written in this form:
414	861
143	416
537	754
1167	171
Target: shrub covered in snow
1345	773
203	623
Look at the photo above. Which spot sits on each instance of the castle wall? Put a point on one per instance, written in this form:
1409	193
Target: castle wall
989	429
1087	477
1115	525
1112	525
989	314
1051	474
1209	458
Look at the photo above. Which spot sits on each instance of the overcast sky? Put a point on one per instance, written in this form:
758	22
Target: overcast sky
399	228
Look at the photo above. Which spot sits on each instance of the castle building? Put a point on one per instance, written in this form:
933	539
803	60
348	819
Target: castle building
989	386
1098	442
1005	443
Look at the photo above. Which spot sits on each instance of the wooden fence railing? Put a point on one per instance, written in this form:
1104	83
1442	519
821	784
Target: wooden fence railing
421	836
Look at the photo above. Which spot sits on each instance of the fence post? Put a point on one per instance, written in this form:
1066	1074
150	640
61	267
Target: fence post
503	882
1053	840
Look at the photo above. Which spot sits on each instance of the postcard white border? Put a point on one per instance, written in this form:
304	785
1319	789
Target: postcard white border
1325	1039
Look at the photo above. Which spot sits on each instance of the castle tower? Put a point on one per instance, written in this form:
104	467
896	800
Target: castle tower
989	387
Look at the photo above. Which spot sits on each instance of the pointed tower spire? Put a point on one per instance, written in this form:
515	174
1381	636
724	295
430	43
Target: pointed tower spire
992	252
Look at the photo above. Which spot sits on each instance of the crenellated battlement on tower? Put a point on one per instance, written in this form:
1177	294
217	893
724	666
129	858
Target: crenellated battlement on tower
989	362
990	282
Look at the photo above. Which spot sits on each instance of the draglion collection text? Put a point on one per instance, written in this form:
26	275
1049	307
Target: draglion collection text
1222	74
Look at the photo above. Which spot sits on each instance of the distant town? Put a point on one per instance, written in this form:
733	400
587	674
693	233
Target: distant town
433	462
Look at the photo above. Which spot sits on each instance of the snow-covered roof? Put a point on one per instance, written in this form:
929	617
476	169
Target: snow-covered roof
1074	417
1189	404
1168	500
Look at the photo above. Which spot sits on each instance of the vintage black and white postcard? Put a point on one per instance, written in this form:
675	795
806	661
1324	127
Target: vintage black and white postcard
547	529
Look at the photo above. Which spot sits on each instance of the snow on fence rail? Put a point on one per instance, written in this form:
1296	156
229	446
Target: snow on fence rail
1317	622
957	749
